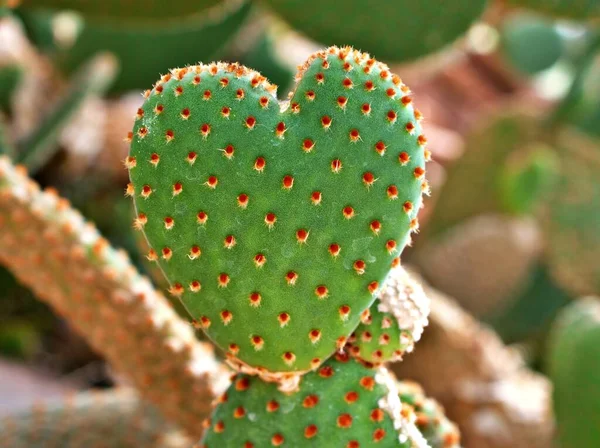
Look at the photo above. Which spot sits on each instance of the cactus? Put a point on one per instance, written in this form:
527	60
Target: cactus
51	249
394	322
342	404
116	419
566	9
530	43
150	11
486	389
572	219
172	43
496	253
388	30
277	256
528	178
574	366
10	77
431	420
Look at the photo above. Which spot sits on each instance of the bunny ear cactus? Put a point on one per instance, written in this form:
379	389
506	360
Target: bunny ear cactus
343	404
574	366
276	224
572	217
394	322
115	419
394	29
431	420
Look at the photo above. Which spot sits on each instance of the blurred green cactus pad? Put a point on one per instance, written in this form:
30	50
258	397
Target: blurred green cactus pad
567	9
572	218
574	367
394	30
139	10
275	223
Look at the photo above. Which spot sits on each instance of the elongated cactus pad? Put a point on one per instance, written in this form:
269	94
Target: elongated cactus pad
340	405
388	30
114	419
50	248
572	221
431	420
277	227
574	367
568	9
394	322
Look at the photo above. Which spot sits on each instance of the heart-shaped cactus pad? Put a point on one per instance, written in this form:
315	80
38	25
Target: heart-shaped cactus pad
276	223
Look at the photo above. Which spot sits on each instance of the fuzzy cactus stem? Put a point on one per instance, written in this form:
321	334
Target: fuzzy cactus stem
51	249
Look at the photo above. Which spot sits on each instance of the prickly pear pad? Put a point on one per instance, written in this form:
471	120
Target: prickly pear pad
343	404
276	224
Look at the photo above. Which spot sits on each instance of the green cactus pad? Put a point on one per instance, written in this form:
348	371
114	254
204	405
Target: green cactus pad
528	177
276	227
394	322
431	419
530	43
341	405
567	9
138	10
574	367
572	221
394	30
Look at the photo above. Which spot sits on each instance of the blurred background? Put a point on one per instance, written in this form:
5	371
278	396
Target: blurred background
509	242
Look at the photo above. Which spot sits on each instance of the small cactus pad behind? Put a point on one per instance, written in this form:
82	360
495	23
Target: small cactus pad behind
431	419
394	322
277	226
341	405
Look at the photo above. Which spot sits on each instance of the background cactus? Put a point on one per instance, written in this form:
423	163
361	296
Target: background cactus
153	10
244	205
573	216
116	419
65	262
387	31
573	364
173	43
496	253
